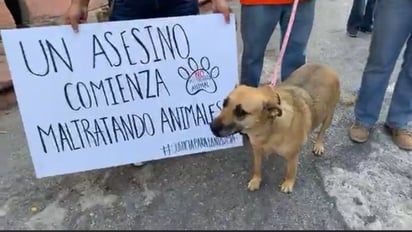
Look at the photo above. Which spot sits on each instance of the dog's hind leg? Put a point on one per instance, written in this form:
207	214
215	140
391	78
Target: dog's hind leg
318	145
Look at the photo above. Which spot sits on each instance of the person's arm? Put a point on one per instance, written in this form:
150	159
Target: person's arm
15	11
77	13
84	3
221	6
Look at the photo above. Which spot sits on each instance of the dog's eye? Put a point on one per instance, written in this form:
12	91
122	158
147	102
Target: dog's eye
240	112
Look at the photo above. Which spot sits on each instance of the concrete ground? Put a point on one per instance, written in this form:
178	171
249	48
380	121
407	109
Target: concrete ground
352	186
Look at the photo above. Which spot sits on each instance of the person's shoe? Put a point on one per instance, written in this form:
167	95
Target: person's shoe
352	32
138	164
367	29
358	133
401	137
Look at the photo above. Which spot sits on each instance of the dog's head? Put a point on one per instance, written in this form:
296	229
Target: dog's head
246	108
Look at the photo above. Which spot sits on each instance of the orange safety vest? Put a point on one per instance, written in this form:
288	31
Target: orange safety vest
266	2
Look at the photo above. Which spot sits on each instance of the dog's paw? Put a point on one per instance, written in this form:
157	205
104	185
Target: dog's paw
318	148
254	184
287	186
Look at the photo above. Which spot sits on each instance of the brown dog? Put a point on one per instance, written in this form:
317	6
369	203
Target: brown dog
279	120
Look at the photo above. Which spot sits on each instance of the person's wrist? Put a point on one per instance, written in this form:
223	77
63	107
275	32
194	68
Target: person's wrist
218	1
80	3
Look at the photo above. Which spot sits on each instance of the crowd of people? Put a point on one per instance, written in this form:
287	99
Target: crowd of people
388	21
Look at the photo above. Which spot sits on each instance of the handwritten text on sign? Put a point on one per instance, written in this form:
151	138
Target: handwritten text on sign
121	92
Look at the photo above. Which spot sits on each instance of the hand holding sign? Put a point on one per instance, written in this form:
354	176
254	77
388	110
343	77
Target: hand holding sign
78	11
221	6
76	14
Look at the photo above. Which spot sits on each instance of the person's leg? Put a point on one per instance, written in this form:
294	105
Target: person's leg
400	110
355	17
295	53
132	9
392	28
15	11
172	8
129	10
367	21
257	25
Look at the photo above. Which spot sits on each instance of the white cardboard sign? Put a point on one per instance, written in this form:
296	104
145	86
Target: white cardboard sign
121	92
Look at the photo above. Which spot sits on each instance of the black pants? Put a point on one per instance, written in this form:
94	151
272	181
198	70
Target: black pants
15	11
361	16
144	9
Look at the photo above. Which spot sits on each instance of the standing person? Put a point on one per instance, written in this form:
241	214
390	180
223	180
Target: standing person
141	9
138	9
258	21
393	29
16	12
361	17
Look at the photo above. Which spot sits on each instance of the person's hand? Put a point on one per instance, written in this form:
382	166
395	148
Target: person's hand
221	6
75	15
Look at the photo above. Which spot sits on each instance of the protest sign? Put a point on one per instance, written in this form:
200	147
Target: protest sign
121	92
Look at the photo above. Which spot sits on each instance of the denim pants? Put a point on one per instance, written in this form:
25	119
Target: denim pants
258	23
145	9
361	15
392	30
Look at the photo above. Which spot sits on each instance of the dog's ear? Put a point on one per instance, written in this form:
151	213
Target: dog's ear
273	106
273	109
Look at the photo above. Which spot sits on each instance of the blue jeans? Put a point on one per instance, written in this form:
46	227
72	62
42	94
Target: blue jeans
257	25
145	9
392	29
361	16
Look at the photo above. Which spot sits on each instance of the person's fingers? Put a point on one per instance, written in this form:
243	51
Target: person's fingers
66	19
227	16
84	15
69	20
75	15
82	18
226	13
75	24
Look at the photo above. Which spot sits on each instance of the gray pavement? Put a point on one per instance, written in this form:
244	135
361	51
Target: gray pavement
352	186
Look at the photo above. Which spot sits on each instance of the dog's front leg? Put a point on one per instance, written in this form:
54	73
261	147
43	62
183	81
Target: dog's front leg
254	183
290	176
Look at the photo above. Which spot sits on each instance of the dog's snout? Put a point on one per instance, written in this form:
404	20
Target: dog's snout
220	129
216	126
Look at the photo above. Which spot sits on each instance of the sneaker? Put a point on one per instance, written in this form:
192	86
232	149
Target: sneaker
401	137
352	32
365	29
358	133
139	164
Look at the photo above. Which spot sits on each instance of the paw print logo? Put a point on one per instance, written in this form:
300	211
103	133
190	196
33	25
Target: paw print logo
199	78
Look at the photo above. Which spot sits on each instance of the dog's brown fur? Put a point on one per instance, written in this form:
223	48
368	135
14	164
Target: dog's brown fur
280	119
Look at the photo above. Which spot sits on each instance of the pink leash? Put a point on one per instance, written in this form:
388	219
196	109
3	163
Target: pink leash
274	75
